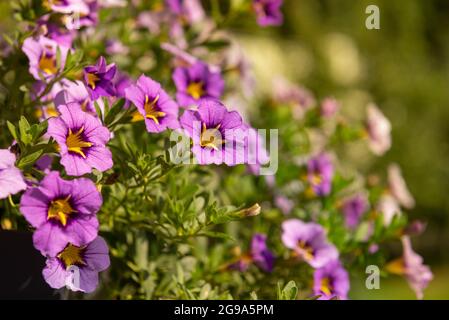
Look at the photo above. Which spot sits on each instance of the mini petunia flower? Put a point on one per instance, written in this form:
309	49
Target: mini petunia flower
259	254
331	281
78	266
190	10
379	130
329	107
284	204
49	101
56	31
43	57
98	79
67	6
298	98
320	173
398	187
82	140
195	83
389	207
353	209
268	12
308	241
219	136
11	179
62	211
154	104
256	153
411	266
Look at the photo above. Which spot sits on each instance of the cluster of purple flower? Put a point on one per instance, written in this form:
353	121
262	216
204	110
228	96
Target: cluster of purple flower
63	211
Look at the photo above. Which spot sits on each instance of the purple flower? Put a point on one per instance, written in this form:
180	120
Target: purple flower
98	79
11	179
257	154
82	140
67	6
284	204
218	135
331	281
268	12
76	92
329	107
42	54
195	83
78	266
398	187
411	266
191	10
62	211
299	98
320	174
309	241
259	254
379	130
154	104
353	208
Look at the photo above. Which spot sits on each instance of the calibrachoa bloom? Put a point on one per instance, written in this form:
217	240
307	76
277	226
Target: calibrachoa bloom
331	281
154	104
398	188
82	140
218	135
62	211
78	264
191	10
411	266
42	54
353	208
320	174
258	254
379	130
389	207
257	154
197	82
308	241
268	12
98	79
11	180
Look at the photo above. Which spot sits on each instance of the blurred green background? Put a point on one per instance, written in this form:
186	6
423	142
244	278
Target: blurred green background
403	67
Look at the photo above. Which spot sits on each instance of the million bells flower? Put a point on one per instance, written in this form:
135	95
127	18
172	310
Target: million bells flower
195	83
154	104
331	281
308	241
81	138
11	180
268	12
62	211
219	136
77	266
99	79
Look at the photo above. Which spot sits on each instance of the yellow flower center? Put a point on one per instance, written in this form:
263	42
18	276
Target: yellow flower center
195	90
92	80
211	138
60	210
326	288
151	111
72	255
47	63
76	144
51	111
316	179
306	250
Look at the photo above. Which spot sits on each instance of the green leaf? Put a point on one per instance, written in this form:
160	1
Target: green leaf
12	129
289	292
